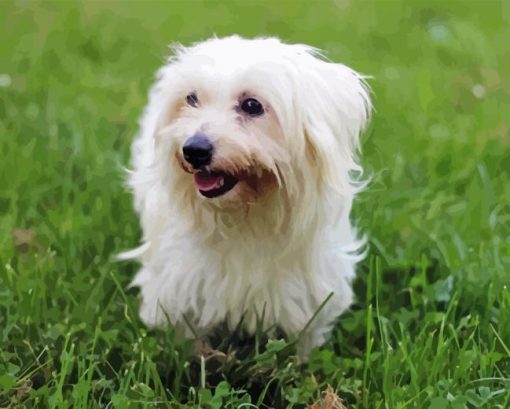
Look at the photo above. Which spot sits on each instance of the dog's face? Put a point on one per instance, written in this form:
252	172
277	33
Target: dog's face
243	118
227	143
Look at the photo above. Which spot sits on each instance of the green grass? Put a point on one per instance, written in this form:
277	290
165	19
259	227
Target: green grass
431	325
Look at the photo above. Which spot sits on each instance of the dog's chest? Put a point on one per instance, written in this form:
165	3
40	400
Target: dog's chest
230	280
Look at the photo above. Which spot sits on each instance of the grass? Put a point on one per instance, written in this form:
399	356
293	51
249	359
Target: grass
431	324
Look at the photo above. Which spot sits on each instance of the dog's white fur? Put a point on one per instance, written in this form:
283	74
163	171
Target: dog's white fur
277	246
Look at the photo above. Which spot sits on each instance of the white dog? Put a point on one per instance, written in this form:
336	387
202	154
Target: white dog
244	179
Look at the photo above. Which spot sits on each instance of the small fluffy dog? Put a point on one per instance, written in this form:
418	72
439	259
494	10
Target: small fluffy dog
244	175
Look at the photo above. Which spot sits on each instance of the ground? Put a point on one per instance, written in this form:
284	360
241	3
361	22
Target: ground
431	324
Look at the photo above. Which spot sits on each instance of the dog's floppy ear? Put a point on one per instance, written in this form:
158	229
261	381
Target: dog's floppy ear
336	109
163	103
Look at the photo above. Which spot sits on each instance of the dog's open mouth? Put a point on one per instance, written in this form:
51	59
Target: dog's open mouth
214	184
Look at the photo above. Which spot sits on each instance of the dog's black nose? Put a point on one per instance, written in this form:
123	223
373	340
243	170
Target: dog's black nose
198	150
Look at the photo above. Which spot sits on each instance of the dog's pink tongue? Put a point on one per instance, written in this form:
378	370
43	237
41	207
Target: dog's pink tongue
205	181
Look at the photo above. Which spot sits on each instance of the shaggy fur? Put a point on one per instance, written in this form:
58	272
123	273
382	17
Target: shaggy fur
278	243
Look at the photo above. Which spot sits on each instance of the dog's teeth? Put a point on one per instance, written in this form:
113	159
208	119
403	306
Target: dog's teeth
222	181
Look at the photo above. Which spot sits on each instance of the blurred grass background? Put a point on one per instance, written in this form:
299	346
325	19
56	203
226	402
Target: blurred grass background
431	325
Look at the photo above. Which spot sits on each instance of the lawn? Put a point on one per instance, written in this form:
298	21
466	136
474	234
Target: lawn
431	324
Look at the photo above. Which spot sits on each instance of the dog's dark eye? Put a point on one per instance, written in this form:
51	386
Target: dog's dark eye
252	107
192	99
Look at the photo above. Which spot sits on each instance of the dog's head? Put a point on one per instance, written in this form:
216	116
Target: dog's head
240	119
